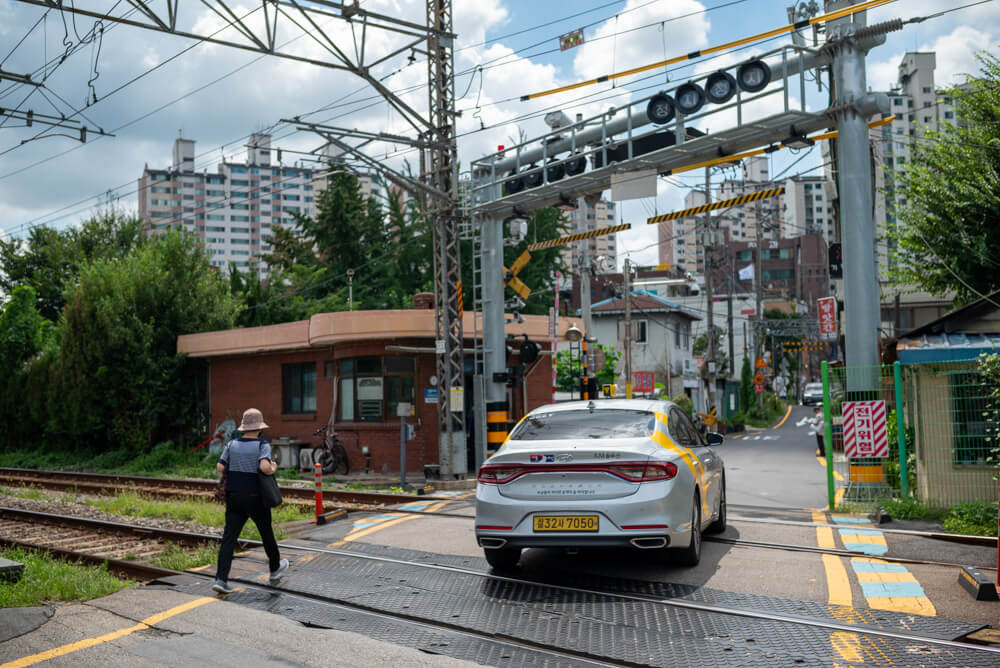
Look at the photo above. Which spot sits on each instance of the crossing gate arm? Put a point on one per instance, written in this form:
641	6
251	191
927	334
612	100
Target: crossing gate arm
561	241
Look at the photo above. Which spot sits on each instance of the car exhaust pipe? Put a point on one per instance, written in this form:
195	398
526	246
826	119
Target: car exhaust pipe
492	543
651	543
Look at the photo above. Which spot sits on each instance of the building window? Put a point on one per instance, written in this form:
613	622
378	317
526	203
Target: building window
371	388
949	114
640	331
298	387
927	89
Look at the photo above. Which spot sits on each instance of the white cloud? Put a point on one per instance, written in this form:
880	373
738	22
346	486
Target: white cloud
955	56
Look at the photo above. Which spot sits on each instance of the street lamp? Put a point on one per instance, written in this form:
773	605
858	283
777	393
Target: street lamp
574	335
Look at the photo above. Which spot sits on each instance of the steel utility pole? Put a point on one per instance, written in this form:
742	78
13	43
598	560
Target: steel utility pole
628	328
709	236
588	320
861	288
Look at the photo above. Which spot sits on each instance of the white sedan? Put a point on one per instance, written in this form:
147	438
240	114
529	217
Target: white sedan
603	473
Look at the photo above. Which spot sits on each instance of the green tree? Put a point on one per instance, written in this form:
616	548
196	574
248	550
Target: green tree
700	347
49	260
25	337
947	234
569	368
119	382
539	273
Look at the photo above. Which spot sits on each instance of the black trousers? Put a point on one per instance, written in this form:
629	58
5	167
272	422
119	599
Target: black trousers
239	508
820	448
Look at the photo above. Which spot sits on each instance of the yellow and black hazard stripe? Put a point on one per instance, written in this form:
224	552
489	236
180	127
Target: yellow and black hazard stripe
803	345
577	237
735	201
791	27
496	424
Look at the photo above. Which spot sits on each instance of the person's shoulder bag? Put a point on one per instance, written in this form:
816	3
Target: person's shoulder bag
270	494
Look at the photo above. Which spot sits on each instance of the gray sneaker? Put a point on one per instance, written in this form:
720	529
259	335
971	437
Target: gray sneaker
222	587
276	575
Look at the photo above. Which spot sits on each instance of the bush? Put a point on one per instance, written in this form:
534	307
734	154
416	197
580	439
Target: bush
975	519
684	402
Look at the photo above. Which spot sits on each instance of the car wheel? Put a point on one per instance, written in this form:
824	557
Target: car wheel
719	525
691	555
503	558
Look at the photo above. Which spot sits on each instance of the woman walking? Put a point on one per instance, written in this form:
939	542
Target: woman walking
244	457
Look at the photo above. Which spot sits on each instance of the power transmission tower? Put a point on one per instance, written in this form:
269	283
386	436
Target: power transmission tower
436	131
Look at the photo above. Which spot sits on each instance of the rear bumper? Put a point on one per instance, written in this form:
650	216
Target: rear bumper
664	508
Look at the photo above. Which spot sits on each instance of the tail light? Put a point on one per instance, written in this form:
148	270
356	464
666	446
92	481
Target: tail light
498	474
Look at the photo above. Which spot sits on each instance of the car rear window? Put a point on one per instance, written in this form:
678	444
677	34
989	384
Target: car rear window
813	387
585	424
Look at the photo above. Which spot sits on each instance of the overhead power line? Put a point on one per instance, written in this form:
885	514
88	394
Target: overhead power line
798	25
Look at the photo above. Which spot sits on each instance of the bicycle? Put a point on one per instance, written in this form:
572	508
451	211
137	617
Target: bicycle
332	455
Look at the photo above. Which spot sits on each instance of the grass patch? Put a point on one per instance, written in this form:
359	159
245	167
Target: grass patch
387	489
973	519
47	579
209	514
27	493
180	559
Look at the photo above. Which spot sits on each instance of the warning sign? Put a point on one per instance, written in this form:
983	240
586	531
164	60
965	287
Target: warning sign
864	429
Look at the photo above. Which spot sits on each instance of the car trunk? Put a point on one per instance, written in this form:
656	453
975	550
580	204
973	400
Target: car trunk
570	470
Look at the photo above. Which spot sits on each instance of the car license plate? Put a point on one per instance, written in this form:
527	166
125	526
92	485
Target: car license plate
565	523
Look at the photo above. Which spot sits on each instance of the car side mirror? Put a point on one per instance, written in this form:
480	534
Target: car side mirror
713	438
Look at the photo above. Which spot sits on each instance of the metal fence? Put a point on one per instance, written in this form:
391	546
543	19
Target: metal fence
908	430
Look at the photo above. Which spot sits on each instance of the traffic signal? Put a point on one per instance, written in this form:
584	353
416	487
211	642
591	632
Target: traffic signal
836	261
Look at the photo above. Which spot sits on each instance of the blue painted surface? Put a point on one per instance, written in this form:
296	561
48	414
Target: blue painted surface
866	548
851	520
858	532
872	589
868	567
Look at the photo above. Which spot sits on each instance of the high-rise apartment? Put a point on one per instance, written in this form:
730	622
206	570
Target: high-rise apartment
235	209
601	214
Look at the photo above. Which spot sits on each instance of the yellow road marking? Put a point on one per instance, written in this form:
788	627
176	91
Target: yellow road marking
354	535
836	475
915	605
837	584
787	413
848	646
839	496
107	637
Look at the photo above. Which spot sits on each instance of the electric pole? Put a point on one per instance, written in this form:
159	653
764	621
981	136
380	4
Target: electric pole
628	329
709	236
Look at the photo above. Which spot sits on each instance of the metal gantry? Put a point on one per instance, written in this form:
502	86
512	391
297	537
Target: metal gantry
277	19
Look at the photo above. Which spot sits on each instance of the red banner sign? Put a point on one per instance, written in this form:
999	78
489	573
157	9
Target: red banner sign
827	308
864	429
643	381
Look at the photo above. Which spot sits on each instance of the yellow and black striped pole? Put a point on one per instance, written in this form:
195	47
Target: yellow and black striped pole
584	385
734	201
496	426
579	237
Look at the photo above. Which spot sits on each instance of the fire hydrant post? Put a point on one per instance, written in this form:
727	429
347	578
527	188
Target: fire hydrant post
319	494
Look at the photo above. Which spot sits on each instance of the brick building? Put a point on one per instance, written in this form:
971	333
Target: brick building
360	364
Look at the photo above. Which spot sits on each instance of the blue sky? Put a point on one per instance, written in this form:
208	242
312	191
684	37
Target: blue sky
217	96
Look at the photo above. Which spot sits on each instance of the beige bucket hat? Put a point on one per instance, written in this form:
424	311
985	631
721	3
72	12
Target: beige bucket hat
253	420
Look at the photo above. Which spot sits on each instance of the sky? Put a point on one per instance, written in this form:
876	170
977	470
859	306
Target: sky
150	88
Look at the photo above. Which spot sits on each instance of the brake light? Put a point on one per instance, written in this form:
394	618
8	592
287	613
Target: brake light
644	472
498	474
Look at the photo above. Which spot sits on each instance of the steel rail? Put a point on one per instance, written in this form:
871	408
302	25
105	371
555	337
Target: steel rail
130	569
113	481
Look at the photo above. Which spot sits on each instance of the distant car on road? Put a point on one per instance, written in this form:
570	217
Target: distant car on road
812	394
602	473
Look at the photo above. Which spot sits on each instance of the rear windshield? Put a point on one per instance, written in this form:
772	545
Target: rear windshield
566	425
814	386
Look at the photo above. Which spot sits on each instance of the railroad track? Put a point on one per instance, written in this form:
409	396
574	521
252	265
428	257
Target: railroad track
103	541
98	484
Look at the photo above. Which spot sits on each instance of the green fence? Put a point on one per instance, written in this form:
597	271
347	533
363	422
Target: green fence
935	445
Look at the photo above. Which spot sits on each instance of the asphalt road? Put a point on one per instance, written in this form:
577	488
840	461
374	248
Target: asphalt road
775	468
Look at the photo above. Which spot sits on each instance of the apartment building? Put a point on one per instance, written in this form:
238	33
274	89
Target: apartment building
601	214
233	210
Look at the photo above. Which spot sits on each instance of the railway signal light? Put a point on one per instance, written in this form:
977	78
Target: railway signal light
660	109
753	76
720	87
690	98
